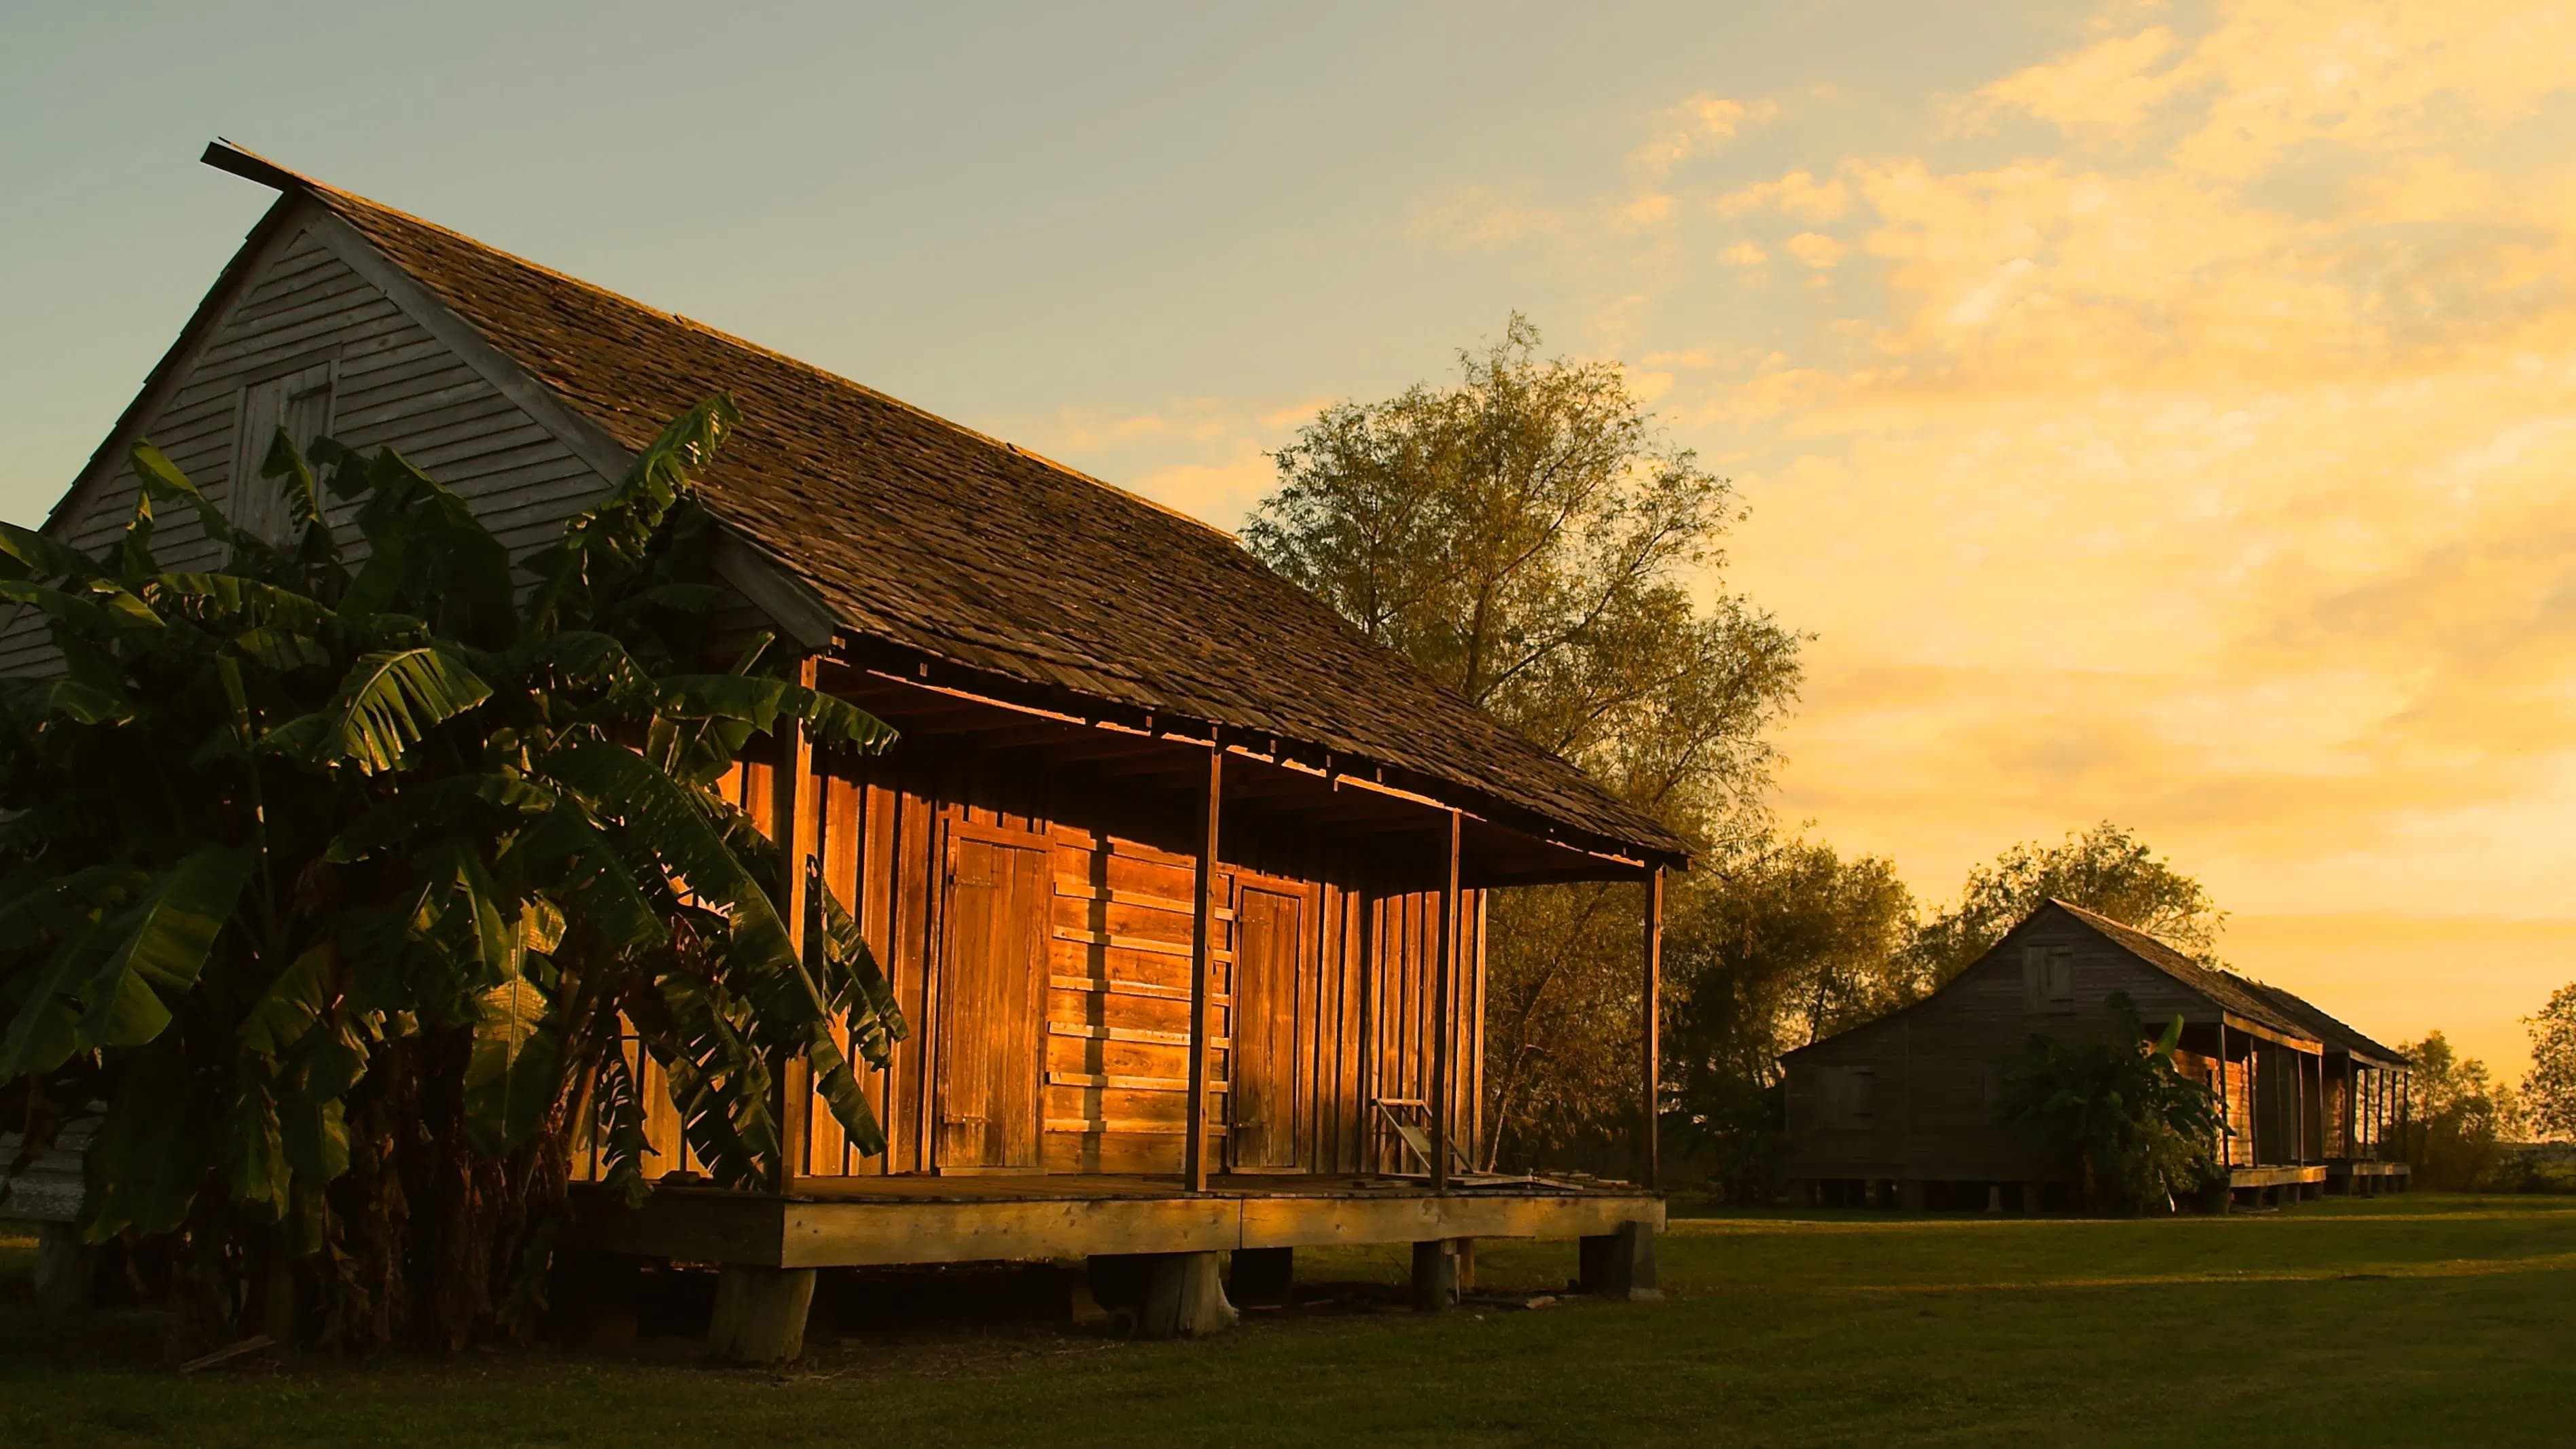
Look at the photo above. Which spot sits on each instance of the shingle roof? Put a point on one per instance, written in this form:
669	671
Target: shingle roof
2314	1021
2227	989
935	538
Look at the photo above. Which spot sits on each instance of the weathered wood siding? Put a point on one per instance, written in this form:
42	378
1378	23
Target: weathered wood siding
1928	1075
1321	997
299	307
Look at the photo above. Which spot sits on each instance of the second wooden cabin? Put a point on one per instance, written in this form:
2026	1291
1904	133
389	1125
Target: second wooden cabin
1901	1110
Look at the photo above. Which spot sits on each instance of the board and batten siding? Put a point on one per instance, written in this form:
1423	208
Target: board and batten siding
298	312
1321	991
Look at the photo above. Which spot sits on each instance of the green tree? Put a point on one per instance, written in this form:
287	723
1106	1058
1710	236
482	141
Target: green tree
2549	1091
334	877
1529	540
1797	944
2107	870
2458	1117
2113	1103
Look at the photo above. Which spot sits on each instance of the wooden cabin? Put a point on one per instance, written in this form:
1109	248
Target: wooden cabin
1901	1110
1179	879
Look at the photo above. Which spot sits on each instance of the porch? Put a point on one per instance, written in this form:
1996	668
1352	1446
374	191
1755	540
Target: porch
1150	1244
854	1222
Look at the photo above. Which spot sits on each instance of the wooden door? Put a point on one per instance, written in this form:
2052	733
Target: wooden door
1269	927
992	998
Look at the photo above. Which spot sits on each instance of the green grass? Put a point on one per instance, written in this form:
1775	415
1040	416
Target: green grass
2397	1320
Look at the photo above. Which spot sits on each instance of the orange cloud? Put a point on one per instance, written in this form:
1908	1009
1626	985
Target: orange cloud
1698	124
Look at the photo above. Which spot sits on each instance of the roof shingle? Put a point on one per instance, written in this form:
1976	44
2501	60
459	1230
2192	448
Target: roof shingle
933	537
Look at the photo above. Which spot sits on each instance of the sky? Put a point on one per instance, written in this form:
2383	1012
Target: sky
2161	413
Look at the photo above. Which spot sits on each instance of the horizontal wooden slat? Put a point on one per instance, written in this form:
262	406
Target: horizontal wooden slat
1134	943
1117	1082
1126	1126
1123	1033
1122	986
1085	891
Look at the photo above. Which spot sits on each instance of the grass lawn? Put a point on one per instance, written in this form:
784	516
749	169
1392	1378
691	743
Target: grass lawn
2403	1319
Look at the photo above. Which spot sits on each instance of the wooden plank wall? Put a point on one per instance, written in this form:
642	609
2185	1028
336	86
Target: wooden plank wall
393	385
1113	1067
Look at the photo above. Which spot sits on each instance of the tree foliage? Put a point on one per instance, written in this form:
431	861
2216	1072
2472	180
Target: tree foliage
337	876
1526	537
1794	945
2549	1090
2106	870
2458	1117
2142	1134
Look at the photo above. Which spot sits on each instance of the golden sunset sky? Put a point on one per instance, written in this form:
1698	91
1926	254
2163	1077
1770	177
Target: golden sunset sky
2158	413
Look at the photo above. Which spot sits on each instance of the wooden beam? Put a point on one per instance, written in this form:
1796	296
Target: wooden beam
2226	1137
792	819
1362	907
1194	1163
1444	998
2278	1038
1652	1008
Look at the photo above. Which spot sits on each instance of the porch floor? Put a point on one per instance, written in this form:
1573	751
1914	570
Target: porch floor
2278	1175
831	1222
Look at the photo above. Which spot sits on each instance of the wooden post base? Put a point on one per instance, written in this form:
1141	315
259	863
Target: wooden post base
1263	1276
760	1314
1435	1275
1618	1265
1182	1296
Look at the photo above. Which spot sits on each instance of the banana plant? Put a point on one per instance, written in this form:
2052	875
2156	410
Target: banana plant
2116	1105
343	873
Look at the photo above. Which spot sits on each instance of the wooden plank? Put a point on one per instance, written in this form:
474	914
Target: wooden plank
792	825
1292	1222
1086	891
1146	944
862	1234
1124	1126
1651	1007
1124	1082
2278	1038
1194	1163
1119	986
1125	1033
1444	1009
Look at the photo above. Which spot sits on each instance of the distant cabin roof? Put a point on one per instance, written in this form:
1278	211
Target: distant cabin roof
2265	1006
934	538
2224	988
2314	1021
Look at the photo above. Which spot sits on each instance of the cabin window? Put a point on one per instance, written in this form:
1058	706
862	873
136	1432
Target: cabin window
299	402
1847	1094
2048	978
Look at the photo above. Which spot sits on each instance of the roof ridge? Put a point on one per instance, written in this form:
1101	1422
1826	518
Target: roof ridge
223	153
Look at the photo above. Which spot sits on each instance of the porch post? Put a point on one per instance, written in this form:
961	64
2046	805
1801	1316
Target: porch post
1444	998
792	824
2226	1139
1652	1009
2254	1103
1194	1163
